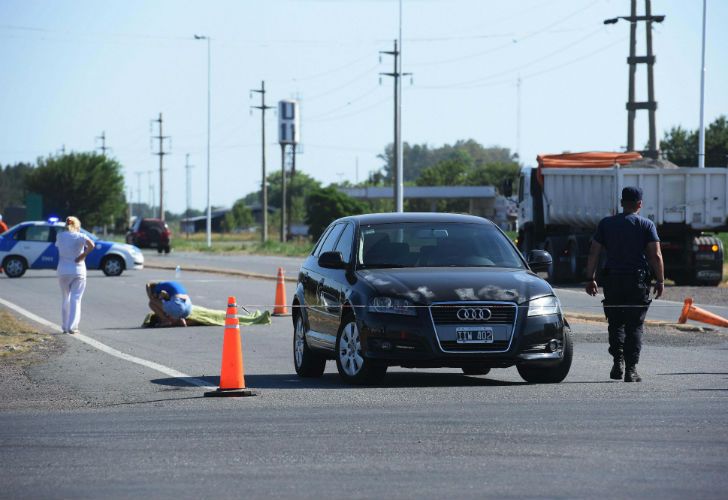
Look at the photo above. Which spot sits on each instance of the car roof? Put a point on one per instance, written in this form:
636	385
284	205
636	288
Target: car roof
398	217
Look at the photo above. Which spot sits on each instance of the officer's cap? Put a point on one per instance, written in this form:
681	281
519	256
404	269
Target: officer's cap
631	193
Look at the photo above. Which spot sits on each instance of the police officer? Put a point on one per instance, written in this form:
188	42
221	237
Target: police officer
632	248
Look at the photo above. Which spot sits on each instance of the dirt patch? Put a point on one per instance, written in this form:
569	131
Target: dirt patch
19	340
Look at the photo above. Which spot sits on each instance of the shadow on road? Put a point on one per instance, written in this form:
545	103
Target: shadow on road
693	373
332	381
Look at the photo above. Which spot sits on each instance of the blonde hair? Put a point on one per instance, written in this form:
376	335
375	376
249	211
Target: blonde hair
73	224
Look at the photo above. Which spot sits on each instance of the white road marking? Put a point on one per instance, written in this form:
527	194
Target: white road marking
110	350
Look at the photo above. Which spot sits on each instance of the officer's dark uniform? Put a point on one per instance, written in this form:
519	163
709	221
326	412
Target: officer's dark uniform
625	278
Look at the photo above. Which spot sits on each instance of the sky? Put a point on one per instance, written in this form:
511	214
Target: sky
71	70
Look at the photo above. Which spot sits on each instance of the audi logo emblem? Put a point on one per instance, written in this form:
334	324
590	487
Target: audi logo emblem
474	314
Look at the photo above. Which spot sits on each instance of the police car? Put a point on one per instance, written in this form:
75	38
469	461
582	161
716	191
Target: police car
32	245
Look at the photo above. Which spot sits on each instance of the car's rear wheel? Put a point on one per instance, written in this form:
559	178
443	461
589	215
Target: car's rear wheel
353	367
166	249
306	362
112	265
550	374
475	370
14	267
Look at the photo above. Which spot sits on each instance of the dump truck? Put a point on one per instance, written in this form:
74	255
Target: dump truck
561	201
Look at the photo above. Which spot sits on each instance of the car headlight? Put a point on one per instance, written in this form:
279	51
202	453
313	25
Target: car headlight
543	306
392	305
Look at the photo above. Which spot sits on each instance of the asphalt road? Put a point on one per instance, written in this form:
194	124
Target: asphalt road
88	424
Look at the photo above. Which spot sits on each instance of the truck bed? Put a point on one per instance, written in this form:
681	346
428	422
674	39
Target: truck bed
581	197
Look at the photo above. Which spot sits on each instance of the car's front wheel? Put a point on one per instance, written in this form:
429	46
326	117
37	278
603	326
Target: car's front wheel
550	374
14	267
112	266
306	362
352	365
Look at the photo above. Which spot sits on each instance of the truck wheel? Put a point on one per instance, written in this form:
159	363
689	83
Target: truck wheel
550	374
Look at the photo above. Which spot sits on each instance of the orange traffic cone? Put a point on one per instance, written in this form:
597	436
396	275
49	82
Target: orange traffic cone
280	308
232	373
689	311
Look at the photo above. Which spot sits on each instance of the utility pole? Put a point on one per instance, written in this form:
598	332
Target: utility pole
188	167
161	154
397	173
264	181
518	118
103	147
633	60
150	191
283	193
139	191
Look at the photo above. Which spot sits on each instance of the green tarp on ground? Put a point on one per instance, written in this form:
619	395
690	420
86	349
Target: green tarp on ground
202	316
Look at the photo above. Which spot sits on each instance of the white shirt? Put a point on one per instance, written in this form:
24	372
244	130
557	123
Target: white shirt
70	246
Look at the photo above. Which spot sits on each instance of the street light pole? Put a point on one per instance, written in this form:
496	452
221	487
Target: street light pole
209	207
701	134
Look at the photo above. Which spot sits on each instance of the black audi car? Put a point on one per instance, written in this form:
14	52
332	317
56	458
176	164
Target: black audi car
426	290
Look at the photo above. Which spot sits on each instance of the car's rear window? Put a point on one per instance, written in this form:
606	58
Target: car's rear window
435	245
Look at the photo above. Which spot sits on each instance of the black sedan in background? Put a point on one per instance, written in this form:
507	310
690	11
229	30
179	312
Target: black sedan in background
426	290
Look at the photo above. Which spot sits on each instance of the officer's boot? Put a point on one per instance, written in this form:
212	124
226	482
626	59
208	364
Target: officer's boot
617	368
631	374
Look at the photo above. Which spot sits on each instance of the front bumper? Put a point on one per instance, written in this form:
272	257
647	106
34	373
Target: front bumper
414	342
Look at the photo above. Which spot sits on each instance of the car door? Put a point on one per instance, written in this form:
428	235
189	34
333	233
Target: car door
318	316
34	244
333	291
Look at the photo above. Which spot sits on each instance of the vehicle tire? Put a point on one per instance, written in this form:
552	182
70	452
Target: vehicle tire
113	265
14	266
574	269
550	374
475	370
159	249
305	360
166	249
353	367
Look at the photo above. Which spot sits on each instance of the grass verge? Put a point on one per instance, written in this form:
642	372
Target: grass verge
17	337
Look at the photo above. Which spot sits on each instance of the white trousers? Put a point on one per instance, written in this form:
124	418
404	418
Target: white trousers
72	288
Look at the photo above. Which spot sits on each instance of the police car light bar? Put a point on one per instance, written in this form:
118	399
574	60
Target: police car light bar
53	220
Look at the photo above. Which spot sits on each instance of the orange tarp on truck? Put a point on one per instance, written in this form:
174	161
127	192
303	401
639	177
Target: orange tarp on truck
594	159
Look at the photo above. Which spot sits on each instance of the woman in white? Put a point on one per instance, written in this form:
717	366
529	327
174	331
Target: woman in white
73	247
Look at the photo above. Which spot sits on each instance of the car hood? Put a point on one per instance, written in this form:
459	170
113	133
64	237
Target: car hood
426	285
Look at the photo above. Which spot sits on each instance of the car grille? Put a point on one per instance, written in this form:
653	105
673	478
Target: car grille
499	345
447	314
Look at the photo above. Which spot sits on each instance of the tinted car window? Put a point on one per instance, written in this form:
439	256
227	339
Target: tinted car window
346	241
36	233
317	249
435	245
331	239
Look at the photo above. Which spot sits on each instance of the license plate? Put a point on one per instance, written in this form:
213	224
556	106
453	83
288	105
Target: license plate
474	335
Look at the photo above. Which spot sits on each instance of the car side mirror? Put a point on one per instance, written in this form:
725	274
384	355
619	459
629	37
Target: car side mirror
539	260
331	260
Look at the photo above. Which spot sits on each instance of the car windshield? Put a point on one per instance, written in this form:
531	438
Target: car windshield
435	245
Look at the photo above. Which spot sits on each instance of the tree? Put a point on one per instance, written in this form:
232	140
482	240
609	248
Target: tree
324	205
12	184
87	185
297	190
419	157
680	145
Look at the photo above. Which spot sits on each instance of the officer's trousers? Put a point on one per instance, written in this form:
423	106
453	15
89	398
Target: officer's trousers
626	300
